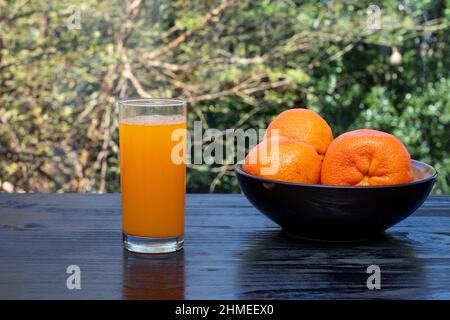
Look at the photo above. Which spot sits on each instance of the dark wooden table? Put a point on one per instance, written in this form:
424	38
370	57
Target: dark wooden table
231	252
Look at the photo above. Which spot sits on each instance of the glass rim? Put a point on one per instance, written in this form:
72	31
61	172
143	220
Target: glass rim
152	102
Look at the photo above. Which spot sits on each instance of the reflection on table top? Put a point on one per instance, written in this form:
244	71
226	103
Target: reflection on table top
231	252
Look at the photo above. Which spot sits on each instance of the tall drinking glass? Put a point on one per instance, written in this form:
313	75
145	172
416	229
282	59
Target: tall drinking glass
152	137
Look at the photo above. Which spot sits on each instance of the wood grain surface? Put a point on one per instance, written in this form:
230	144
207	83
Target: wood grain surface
231	252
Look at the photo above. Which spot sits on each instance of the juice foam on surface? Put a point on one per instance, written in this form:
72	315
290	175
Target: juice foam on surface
154	120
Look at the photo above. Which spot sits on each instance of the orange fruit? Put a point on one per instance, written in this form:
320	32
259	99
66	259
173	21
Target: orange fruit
282	159
366	158
303	125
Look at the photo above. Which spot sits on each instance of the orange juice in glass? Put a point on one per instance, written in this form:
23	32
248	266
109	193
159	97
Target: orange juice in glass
152	137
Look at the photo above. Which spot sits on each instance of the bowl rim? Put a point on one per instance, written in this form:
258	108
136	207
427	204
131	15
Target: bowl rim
238	169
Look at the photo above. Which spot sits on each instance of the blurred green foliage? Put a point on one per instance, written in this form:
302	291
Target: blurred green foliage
238	63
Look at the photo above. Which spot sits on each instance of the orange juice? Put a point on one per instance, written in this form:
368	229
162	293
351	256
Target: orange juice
153	185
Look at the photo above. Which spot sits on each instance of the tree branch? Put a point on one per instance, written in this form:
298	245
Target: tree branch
185	35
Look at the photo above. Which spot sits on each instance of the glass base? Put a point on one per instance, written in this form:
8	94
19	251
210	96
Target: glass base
152	245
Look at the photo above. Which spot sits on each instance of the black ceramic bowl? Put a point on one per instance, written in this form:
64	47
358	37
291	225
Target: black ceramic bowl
337	213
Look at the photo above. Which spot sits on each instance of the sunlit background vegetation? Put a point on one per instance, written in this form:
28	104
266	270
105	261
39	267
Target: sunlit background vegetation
237	63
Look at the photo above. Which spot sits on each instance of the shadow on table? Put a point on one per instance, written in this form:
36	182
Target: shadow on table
153	276
279	266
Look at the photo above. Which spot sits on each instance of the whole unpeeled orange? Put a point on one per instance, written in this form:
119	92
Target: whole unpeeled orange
366	158
283	159
302	125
